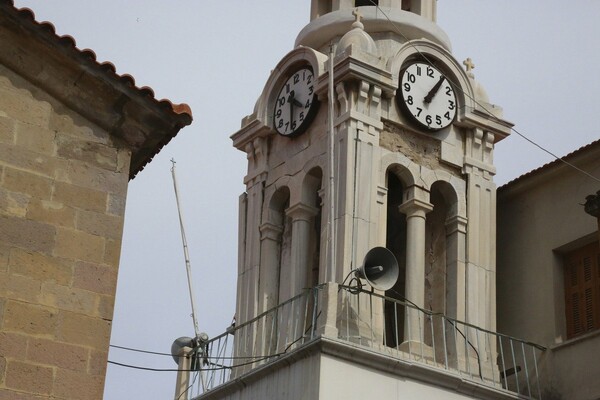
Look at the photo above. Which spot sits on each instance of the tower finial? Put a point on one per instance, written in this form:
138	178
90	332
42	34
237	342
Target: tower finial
357	23
468	63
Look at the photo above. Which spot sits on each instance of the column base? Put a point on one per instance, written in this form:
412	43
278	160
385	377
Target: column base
416	350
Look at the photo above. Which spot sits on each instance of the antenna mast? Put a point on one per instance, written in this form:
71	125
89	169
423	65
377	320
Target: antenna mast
188	265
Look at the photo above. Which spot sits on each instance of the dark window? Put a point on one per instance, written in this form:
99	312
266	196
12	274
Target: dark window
360	3
406	5
582	290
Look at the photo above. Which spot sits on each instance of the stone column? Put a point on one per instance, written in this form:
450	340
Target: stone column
270	242
301	215
292	322
456	239
415	211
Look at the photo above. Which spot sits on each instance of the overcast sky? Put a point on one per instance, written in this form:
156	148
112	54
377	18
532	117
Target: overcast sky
538	59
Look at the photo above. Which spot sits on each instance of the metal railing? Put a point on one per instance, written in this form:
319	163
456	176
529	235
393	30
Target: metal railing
386	325
260	340
407	332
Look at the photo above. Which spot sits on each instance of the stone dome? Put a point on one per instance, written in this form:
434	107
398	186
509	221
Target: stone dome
358	39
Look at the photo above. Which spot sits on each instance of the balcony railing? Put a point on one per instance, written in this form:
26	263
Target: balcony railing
383	324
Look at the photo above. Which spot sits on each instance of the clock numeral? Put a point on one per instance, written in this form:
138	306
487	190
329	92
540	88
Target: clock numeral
430	72
438	120
287	87
418	70
287	125
282	101
451	105
411	77
296	79
301	116
280	123
409	100
447	115
310	90
307	104
407	87
278	113
309	79
293	125
428	119
420	110
448	91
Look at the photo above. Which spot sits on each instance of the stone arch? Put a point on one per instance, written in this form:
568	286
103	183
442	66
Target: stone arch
275	247
401	166
278	203
444	268
398	178
312	197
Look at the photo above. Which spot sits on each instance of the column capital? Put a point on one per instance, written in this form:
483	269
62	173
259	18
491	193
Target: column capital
302	212
415	208
270	231
456	224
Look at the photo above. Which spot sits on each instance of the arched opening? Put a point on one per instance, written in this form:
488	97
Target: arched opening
312	196
281	254
360	3
396	243
440	263
435	264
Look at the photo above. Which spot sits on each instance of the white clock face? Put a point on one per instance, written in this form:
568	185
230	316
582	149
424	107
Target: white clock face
427	96
296	103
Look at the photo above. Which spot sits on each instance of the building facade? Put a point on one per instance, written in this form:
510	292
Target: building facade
72	135
549	247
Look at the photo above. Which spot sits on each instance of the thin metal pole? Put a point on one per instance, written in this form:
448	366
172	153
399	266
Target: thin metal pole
432	338
445	341
188	265
333	277
512	350
503	373
537	376
526	369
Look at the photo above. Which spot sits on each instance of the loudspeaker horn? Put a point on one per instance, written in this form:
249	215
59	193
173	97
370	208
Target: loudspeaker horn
379	269
179	344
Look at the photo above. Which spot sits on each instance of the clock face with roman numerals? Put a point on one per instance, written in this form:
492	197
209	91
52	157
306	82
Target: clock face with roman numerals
296	103
427	96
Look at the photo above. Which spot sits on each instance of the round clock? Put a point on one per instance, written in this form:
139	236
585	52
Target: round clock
427	96
296	103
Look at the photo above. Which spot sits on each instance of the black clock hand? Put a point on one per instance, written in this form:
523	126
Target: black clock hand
291	101
297	103
434	90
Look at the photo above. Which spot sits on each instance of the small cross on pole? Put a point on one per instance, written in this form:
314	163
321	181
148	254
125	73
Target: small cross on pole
469	64
357	14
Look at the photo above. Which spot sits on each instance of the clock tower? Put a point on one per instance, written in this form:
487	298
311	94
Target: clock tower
369	133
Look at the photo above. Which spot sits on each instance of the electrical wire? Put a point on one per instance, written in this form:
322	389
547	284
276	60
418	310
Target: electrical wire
143	351
222	367
488	112
170	355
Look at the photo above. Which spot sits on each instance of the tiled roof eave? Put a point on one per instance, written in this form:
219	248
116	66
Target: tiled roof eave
125	110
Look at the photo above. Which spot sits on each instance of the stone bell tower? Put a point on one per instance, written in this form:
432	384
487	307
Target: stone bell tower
369	133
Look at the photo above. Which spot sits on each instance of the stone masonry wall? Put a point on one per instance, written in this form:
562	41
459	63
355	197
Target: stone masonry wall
63	184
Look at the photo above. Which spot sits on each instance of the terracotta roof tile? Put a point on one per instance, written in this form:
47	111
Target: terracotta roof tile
174	116
108	67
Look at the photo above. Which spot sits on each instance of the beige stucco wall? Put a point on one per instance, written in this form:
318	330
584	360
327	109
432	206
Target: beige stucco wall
539	217
63	184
